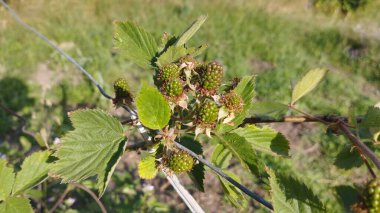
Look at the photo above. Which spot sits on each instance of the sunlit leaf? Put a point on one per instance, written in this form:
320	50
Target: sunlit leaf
307	83
152	108
242	150
172	54
93	148
290	195
135	43
7	178
221	156
189	32
264	139
195	51
147	167
234	195
16	205
34	170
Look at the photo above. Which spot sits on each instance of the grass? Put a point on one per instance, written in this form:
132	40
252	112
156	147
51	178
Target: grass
276	40
245	39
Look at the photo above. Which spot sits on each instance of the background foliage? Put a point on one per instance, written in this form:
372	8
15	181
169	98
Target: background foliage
278	40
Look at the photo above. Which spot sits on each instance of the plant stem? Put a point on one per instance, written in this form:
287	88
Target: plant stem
308	115
296	119
369	166
362	148
93	195
61	198
360	145
19	117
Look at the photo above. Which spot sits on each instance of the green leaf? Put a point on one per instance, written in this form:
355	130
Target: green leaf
172	54
221	156
242	150
371	118
290	195
189	32
246	89
25	143
41	138
264	139
195	51
189	142
35	194
166	41
7	178
106	175
348	196
34	170
348	158
16	205
147	167
197	175
152	108
135	43
270	109
234	195
94	147
307	83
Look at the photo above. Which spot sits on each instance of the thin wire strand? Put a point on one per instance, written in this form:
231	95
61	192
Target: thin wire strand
133	112
248	192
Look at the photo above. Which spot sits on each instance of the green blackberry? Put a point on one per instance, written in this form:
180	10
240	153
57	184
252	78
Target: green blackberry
212	76
233	102
122	89
169	72
180	161
174	88
373	196
208	113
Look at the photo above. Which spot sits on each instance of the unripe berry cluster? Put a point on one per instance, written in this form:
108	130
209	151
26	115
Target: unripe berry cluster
233	102
122	92
196	87
193	90
174	88
121	88
373	196
211	77
208	113
169	72
180	161
170	82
